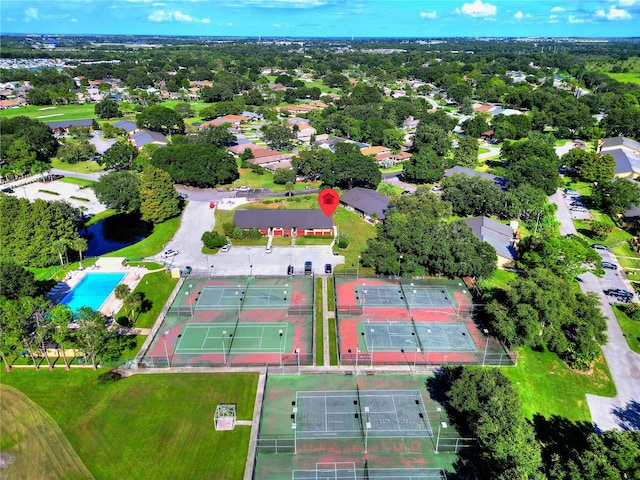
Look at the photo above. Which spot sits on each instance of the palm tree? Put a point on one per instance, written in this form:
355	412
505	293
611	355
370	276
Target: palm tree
134	302
122	291
80	245
60	247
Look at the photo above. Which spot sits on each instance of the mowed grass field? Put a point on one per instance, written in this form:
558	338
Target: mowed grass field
155	426
52	113
549	388
33	445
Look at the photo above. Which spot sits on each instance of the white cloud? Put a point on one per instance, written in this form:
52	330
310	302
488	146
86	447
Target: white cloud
277	25
557	9
75	20
553	19
478	9
627	3
573	20
175	16
31	14
229	24
428	14
281	3
614	14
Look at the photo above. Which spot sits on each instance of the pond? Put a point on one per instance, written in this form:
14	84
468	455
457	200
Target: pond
114	233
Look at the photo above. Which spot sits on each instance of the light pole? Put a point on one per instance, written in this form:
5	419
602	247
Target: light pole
294	428
211	271
415	354
250	267
440	427
239	300
224	350
366	431
429	346
363	294
298	358
373	338
280	348
358	268
406	359
400	264
190	301
486	346
24	190
357	352
166	352
413	294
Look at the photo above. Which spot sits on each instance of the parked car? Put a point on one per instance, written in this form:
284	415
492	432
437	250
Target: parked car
170	253
609	265
290	270
7	190
598	246
269	249
619	292
436	188
308	268
327	268
225	248
244	188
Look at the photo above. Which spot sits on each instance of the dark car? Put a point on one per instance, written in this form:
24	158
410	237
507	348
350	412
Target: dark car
597	246
290	270
619	292
327	268
187	271
609	265
7	190
308	268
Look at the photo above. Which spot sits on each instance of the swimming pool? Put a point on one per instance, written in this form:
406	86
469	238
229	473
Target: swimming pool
92	291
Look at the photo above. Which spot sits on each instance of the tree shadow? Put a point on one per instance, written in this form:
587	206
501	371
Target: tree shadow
628	417
561	436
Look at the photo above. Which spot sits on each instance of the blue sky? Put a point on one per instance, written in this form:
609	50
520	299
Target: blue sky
325	18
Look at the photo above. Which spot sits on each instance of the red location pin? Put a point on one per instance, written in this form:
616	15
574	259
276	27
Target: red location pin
328	199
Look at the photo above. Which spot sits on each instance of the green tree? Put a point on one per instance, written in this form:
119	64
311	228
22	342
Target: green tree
597	168
184	110
80	245
475	126
159	198
61	316
160	119
284	175
17	282
616	196
467	152
119	156
107	109
278	136
350	168
92	336
213	239
119	190
425	166
472	196
310	164
532	161
218	136
566	257
76	151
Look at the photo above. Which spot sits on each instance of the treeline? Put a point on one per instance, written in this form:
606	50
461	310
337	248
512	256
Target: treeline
484	404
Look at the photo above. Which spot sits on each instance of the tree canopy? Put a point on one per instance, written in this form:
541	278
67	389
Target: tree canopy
119	190
160	119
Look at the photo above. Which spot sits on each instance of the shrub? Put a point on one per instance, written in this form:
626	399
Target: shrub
343	240
213	239
49	192
110	376
228	228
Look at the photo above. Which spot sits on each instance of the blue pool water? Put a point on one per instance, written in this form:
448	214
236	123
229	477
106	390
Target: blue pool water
92	291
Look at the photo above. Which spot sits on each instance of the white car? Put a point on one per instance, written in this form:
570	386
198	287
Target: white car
225	248
244	188
269	249
170	253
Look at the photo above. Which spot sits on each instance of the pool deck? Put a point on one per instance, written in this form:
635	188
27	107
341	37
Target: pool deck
111	305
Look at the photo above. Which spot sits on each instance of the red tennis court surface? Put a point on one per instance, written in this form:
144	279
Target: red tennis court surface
410	322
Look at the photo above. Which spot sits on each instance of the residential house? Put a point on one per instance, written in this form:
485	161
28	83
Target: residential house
367	203
458	170
128	126
270	159
143	137
373	151
323	141
284	223
63	126
234	120
626	153
500	236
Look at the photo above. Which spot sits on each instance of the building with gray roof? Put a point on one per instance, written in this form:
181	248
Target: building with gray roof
500	236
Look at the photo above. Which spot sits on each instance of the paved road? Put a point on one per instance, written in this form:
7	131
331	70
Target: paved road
621	412
563	214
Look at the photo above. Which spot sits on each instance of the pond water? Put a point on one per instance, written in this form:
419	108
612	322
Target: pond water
114	233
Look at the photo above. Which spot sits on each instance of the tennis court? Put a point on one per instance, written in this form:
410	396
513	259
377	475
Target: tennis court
356	414
410	296
349	471
202	338
243	296
428	337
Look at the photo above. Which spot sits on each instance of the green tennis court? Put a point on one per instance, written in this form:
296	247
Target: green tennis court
428	337
349	471
202	338
355	413
403	296
243	296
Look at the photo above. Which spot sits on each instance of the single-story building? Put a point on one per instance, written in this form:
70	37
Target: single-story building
458	170
625	152
127	125
144	137
368	203
65	125
498	235
286	223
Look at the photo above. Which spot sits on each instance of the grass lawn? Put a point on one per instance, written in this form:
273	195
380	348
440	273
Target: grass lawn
630	329
499	279
144	426
319	324
77	181
548	387
109	212
313	240
154	243
130	353
358	232
52	113
26	429
630	77
80	167
157	287
333	341
254	180
330	295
